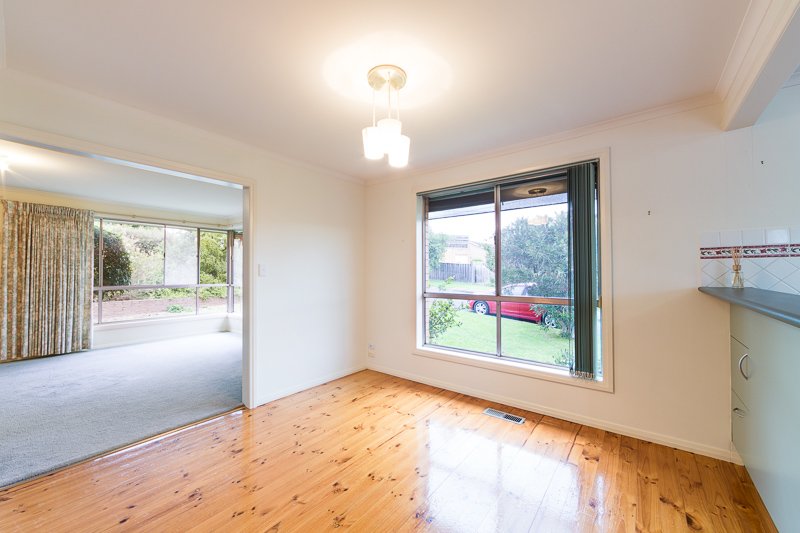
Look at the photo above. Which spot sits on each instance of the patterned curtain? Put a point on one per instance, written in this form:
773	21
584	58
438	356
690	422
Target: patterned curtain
45	279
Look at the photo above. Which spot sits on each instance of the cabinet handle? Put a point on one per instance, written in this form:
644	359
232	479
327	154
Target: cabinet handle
741	370
738	412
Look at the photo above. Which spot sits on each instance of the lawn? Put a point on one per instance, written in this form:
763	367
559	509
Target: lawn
522	340
460	286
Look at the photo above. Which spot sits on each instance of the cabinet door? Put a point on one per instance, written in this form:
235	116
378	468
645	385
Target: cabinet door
742	433
772	421
740	370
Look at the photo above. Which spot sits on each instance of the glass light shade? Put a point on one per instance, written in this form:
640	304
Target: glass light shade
389	129
373	145
398	153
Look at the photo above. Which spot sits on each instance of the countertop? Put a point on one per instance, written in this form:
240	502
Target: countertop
778	305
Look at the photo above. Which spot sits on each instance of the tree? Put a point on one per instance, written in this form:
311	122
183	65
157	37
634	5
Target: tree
213	257
538	253
116	260
213	262
488	247
437	244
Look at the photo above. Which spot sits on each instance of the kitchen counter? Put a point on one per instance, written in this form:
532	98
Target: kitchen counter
778	305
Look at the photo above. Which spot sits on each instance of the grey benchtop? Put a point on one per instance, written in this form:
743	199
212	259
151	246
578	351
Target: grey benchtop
778	305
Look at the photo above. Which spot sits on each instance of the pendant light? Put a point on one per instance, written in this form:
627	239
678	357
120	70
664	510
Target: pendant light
385	137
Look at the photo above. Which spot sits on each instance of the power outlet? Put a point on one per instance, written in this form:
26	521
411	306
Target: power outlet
371	350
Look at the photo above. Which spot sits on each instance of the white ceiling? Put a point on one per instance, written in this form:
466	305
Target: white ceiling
117	186
291	76
794	79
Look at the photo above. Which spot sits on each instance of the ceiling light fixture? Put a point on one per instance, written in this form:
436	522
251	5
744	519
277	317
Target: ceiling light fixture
3	163
385	137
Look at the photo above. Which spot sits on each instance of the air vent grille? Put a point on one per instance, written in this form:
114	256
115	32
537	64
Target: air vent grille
505	416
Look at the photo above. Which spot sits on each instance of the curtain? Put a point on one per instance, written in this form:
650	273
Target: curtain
45	279
581	189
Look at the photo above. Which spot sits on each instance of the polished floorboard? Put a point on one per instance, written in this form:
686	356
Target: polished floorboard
372	452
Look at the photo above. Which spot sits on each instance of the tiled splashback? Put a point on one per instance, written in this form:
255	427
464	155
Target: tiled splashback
770	258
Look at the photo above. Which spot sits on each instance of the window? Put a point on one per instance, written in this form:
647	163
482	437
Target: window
144	270
237	263
213	295
512	270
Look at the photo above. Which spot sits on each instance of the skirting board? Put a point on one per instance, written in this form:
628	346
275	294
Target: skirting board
681	444
288	391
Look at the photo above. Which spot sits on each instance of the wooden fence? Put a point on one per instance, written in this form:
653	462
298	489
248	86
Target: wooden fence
473	273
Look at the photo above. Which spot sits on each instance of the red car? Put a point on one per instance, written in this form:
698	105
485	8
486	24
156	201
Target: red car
519	310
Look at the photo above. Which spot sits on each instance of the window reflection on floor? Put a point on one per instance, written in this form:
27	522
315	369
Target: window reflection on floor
480	479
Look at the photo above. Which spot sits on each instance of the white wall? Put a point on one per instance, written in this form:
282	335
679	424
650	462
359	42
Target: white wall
671	361
127	333
233	323
671	342
308	228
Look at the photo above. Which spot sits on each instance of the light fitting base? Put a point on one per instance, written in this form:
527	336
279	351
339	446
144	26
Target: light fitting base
383	74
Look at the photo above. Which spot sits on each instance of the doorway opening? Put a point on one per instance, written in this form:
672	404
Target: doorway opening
168	307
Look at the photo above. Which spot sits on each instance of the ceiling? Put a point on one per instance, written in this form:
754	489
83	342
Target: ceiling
290	77
118	186
794	79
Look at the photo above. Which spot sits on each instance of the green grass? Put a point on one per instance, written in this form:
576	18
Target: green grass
522	340
461	286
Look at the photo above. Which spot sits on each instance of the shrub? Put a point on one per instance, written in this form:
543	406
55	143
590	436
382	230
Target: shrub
213	258
565	358
560	314
213	292
441	317
116	260
437	244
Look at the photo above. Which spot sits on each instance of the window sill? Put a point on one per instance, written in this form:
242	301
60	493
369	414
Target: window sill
512	367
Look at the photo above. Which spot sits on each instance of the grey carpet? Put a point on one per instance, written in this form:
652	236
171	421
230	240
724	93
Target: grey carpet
59	410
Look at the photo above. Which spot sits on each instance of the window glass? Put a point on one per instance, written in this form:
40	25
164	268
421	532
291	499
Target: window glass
534	237
96	252
95	315
133	254
535	262
538	333
460	244
117	267
213	299
213	257
138	304
152	270
238	262
238	266
180	256
453	324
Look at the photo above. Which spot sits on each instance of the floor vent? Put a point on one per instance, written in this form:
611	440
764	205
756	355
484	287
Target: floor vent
505	416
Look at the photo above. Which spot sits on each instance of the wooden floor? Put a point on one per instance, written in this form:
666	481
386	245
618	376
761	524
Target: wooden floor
371	452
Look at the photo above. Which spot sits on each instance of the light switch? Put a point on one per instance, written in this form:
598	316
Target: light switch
262	270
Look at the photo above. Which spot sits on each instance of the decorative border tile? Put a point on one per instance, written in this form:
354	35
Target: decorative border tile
724	252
